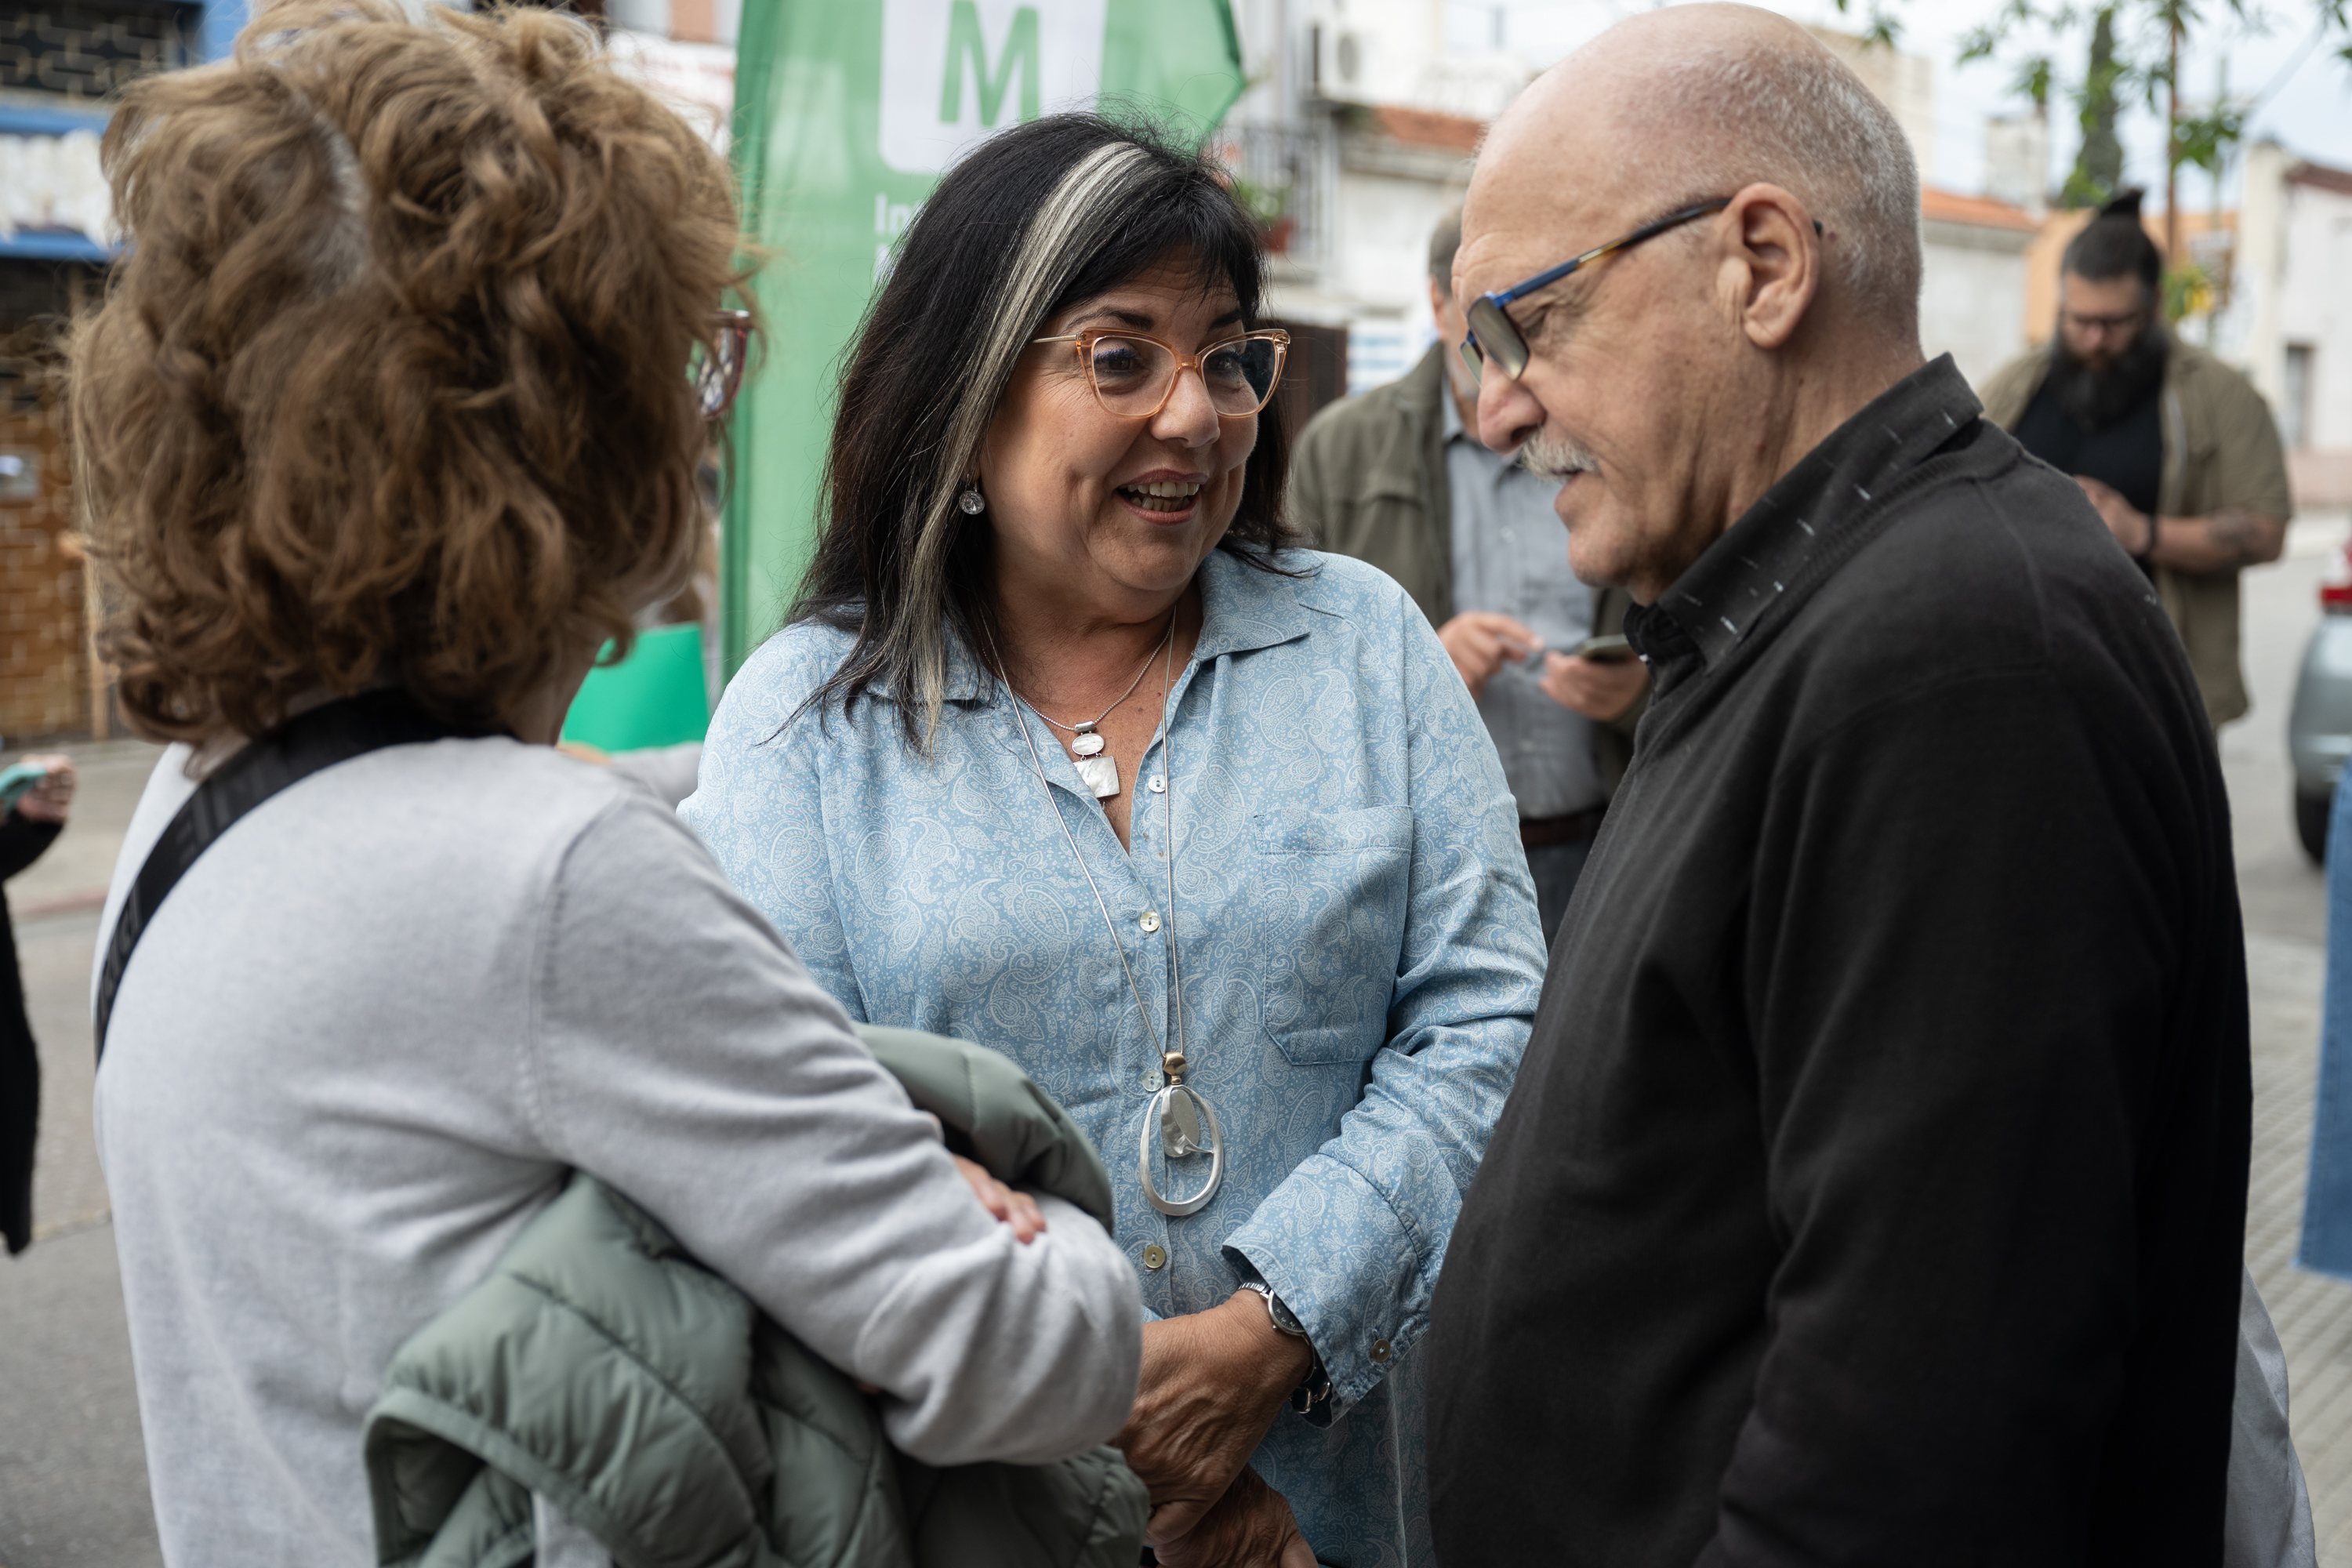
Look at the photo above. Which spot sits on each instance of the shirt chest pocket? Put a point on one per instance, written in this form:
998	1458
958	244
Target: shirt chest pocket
1331	893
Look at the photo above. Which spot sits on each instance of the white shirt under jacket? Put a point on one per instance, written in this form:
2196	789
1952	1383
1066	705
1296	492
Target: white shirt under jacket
380	1019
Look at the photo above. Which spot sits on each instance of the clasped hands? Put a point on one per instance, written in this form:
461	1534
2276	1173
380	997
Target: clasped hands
1212	1383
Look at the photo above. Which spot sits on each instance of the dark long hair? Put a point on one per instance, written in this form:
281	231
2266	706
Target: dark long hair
1033	222
2114	245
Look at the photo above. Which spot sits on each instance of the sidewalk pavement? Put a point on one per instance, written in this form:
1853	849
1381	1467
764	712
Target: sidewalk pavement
2286	923
72	1479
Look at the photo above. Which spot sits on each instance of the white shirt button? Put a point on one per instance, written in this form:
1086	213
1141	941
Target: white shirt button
1150	922
1158	786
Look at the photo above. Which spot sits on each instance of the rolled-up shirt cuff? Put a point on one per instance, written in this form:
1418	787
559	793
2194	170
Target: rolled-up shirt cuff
1365	1313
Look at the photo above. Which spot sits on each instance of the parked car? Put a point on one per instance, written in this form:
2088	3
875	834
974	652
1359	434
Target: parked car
2319	729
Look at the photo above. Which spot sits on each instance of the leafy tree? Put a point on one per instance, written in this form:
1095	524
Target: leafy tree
2099	167
2136	50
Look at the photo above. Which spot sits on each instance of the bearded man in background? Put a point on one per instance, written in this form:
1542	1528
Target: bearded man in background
2177	450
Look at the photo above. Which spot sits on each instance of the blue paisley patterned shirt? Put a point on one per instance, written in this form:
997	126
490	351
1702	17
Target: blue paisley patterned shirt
1361	958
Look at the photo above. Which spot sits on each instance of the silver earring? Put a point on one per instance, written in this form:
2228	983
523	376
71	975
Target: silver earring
972	501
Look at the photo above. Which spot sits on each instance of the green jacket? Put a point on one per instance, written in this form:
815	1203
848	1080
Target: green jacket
2220	449
1368	479
646	1398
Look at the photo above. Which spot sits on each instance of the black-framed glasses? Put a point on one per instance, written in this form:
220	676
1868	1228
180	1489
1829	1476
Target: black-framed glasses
2130	323
1134	376
1494	337
717	369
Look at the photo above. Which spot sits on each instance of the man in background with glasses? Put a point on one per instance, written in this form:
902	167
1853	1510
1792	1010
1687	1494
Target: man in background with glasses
2176	449
1874	1186
1399	477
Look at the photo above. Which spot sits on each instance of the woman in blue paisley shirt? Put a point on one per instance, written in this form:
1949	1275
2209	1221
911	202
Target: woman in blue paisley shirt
1070	748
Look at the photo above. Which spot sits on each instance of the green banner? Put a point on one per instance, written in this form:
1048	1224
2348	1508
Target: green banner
846	112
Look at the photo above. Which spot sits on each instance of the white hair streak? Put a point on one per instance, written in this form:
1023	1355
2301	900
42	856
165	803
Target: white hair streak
339	254
1089	200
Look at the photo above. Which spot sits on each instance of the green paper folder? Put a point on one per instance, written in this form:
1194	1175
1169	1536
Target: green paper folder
653	698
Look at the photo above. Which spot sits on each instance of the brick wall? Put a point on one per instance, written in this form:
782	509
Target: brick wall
87	48
44	676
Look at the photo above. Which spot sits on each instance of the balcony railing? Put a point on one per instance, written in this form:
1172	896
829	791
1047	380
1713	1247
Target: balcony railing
1284	174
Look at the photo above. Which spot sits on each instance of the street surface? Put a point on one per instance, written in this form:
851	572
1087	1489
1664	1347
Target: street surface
73	1486
73	1483
2286	926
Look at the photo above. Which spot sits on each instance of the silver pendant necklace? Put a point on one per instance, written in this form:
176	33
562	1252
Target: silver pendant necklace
1097	768
1185	1120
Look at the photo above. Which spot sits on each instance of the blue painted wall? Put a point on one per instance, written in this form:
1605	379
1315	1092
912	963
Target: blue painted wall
222	22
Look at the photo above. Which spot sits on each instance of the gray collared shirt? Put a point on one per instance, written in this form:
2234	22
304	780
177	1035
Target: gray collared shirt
1510	557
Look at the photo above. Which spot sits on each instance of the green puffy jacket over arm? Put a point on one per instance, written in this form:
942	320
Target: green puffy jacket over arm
602	1368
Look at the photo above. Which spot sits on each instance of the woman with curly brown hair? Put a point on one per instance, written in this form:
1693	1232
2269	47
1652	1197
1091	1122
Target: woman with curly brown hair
388	417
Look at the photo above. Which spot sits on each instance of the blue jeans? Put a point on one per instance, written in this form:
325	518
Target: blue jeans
2327	1201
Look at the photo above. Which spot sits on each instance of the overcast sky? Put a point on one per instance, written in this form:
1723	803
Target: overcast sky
2309	110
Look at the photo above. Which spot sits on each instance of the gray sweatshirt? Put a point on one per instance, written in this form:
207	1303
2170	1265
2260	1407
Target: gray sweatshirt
377	1022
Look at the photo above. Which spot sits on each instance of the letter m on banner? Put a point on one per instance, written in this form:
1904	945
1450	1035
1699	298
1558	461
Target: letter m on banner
967	53
846	112
944	88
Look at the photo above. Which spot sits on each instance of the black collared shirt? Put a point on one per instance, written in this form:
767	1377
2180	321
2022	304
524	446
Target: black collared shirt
1873	1187
2127	456
1801	525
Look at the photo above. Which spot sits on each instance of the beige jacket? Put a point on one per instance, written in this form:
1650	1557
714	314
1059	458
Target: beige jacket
2220	449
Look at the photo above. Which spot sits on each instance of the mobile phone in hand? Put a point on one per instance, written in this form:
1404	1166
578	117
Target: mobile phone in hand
17	780
1610	649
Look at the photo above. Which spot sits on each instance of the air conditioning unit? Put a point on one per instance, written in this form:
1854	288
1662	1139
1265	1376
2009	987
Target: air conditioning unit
1343	57
1370	52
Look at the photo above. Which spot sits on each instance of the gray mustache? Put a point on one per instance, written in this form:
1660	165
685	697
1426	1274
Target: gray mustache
1556	457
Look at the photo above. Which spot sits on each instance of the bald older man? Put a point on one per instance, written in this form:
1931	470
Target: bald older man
1873	1188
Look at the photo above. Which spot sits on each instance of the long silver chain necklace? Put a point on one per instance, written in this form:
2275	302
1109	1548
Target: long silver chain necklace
1097	768
1178	1111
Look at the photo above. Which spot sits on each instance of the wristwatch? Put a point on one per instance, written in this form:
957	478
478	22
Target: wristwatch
1285	1319
1318	1386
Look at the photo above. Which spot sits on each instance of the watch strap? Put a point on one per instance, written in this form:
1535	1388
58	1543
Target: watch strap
1316	1388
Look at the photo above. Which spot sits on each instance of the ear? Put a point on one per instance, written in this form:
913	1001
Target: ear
1438	297
1772	267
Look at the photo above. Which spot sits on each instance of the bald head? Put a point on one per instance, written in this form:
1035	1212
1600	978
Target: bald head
1679	105
1672	383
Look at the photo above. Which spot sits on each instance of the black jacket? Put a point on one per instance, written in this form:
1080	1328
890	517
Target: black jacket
1874	1189
21	843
